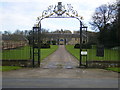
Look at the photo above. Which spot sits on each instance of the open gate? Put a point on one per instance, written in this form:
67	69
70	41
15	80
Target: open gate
58	11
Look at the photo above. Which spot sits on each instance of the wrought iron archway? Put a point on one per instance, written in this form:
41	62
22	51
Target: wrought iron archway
58	11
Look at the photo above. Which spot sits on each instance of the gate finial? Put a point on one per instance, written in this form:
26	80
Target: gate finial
59	6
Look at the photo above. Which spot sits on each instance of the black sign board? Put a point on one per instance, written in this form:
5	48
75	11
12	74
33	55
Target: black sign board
100	51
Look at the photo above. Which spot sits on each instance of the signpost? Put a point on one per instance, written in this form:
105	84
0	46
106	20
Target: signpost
83	52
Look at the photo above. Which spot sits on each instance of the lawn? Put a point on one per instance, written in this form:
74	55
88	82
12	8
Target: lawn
24	53
109	55
47	52
8	68
116	69
14	54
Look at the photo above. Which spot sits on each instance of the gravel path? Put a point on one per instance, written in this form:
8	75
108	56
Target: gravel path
60	59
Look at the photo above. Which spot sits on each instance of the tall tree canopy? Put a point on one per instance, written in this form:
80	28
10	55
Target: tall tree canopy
105	20
103	16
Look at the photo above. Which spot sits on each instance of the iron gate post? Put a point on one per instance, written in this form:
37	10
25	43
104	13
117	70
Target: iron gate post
86	48
39	43
36	45
33	48
80	62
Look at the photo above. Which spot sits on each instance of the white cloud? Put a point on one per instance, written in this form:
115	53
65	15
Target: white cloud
69	24
22	14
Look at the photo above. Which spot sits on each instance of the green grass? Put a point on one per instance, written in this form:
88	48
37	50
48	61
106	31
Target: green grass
47	52
8	68
109	55
116	69
20	53
74	52
24	53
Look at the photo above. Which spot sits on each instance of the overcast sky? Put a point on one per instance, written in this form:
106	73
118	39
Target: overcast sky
22	14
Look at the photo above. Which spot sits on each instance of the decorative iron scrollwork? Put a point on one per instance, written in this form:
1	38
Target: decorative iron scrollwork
59	11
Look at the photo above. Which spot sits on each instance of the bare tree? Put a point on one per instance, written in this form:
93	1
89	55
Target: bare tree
103	19
103	16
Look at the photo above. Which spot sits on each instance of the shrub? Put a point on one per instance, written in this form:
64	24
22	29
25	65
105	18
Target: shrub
77	46
110	45
48	42
54	42
84	46
51	42
43	46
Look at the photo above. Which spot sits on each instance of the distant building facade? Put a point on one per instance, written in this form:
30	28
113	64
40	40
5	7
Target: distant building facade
65	38
13	41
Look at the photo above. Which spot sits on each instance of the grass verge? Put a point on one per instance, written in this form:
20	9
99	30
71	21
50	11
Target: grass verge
116	69
8	68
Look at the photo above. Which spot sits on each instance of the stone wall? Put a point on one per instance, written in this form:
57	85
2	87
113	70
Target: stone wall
24	63
103	64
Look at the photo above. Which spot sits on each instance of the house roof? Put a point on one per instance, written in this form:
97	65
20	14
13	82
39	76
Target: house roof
13	38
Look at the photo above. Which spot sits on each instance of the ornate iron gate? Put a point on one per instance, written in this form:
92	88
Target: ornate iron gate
58	11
